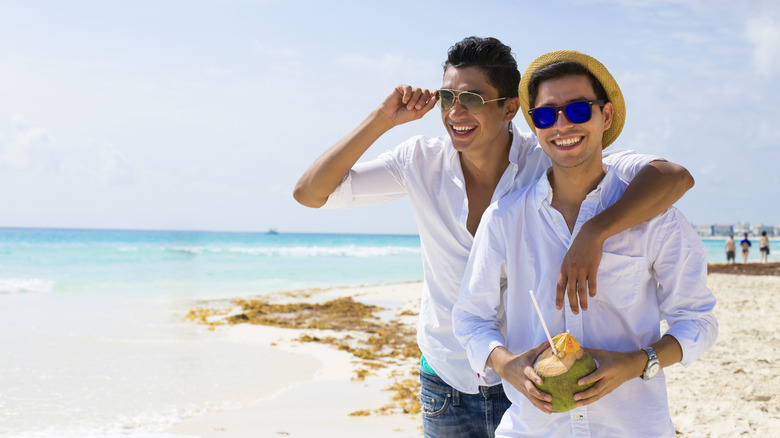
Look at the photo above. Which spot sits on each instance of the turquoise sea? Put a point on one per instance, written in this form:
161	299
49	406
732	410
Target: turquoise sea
92	340
92	337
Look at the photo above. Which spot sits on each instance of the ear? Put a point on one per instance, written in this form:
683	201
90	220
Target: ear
511	107
607	112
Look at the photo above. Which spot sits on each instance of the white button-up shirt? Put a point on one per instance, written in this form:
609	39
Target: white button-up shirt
428	171
654	271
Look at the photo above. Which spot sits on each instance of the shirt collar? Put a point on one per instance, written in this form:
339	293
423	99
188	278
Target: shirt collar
604	193
453	159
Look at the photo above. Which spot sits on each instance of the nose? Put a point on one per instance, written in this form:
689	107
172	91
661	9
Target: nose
560	118
457	109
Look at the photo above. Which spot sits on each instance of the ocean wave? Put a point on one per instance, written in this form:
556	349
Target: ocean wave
25	285
328	251
297	251
187	250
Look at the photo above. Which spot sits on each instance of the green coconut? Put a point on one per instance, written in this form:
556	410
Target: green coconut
561	372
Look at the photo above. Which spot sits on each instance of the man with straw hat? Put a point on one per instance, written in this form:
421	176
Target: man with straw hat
652	271
449	181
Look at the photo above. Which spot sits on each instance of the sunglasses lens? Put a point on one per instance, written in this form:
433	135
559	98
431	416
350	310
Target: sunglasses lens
578	112
544	117
472	102
446	99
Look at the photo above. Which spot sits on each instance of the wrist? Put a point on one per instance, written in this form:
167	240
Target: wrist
639	362
381	120
597	228
497	359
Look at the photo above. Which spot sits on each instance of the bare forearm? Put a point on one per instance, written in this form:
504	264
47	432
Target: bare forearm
668	350
498	358
327	171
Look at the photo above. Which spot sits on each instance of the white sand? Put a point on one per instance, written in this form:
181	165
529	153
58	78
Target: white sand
731	391
321	407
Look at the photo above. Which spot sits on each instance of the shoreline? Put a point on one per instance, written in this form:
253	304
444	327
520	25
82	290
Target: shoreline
731	390
346	396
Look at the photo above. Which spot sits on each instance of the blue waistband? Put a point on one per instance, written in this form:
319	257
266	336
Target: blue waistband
425	366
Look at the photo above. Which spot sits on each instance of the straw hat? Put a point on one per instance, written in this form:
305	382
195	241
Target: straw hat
610	85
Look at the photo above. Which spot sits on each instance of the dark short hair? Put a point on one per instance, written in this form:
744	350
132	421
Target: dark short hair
559	70
491	56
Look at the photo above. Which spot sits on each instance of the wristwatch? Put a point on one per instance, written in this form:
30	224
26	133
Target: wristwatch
653	366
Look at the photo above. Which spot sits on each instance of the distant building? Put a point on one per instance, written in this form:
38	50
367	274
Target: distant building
756	230
740	229
714	230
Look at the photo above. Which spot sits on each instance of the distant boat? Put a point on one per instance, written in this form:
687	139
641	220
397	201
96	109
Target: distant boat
272	231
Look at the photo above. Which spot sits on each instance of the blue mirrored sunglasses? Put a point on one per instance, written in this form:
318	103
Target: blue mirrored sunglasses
576	112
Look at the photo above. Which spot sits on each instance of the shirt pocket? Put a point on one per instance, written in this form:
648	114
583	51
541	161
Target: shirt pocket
619	279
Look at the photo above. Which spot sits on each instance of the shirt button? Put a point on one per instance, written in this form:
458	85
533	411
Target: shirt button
555	218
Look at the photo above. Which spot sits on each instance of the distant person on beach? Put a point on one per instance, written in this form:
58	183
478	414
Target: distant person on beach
450	180
745	244
731	250
653	271
763	246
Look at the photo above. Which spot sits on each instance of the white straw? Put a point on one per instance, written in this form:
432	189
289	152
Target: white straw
539	311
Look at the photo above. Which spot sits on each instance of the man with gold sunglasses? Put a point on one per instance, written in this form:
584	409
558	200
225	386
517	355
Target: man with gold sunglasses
450	181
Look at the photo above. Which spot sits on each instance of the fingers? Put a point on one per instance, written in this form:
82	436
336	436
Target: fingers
590	395
560	290
415	98
540	399
582	290
592	275
577	285
571	292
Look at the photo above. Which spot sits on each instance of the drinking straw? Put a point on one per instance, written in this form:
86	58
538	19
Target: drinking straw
539	311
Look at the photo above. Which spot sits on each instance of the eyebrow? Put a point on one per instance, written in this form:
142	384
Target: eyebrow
576	99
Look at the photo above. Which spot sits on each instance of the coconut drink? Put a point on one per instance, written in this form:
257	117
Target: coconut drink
560	367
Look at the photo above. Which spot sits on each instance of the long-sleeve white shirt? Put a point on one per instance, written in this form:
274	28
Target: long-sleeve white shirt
428	170
654	271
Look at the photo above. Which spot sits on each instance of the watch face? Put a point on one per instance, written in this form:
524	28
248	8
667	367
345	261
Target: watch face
652	370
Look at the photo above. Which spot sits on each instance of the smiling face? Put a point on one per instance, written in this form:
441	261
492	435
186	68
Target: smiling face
572	144
485	130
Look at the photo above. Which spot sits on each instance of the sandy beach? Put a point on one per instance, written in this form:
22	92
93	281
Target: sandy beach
345	378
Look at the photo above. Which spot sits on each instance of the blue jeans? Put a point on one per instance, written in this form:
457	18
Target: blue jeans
449	413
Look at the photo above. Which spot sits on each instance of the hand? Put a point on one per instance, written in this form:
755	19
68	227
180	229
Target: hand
614	369
518	370
405	104
579	269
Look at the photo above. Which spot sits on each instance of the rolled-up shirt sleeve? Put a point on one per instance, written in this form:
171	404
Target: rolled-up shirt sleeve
628	163
684	299
478	315
372	182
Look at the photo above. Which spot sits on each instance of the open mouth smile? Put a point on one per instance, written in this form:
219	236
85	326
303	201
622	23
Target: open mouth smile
567	142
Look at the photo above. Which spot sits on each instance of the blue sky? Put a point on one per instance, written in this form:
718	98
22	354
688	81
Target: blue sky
201	114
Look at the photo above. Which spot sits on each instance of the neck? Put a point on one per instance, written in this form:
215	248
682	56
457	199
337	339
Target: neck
571	186
488	164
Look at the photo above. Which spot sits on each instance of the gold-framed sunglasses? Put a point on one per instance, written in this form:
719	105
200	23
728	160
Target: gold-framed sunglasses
472	102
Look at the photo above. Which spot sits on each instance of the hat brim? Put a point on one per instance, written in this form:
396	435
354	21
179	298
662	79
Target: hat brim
602	74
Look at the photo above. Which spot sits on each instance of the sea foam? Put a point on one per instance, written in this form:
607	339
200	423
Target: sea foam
25	285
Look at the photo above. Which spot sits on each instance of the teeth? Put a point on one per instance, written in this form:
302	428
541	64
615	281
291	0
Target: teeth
462	129
567	141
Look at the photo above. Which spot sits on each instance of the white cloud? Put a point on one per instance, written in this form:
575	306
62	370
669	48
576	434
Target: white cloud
32	151
389	64
27	149
114	168
286	61
764	33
